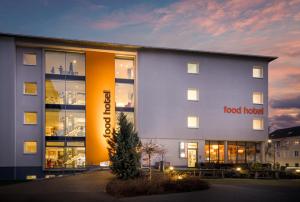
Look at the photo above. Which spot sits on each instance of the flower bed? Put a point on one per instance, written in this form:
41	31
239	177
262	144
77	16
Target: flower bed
158	185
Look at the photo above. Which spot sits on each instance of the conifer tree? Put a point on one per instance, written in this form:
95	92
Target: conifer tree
124	150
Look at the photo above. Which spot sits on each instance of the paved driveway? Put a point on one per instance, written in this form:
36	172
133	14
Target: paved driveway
91	187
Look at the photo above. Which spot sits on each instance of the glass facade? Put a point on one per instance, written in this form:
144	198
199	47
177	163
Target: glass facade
237	152
65	110
214	151
124	87
124	68
124	95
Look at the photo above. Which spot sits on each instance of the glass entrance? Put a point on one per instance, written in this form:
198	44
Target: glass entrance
192	158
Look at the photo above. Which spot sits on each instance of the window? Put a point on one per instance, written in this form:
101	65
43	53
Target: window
214	151
257	72
192	94
296	153
182	151
75	92
55	92
65	123
30	118
31	177
30	88
30	147
65	63
192	68
29	59
124	95
258	124
124	68
55	144
257	98
193	122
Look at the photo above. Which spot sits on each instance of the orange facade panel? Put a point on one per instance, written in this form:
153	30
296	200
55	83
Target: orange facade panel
100	104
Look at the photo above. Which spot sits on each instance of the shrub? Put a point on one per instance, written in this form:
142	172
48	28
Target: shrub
142	186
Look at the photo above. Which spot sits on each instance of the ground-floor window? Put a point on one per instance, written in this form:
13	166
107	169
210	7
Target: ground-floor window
237	152
65	157
214	151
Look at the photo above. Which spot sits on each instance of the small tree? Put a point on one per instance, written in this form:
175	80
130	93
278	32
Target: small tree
124	150
150	149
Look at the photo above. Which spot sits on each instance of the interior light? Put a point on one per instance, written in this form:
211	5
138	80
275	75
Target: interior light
238	169
74	61
215	146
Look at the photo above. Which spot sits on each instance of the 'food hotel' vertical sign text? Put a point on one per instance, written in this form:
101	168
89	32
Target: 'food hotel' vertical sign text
106	113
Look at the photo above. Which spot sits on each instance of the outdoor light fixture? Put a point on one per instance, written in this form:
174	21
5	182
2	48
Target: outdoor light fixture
269	141
171	168
179	177
238	169
298	171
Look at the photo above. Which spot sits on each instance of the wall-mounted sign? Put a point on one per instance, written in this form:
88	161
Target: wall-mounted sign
106	113
243	110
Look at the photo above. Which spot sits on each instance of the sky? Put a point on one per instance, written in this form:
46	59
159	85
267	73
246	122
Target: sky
267	27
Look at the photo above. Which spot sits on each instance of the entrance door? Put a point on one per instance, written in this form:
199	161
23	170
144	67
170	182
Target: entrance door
192	158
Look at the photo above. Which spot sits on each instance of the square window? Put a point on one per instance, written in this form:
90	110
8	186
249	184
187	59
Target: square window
30	118
257	72
30	88
29	59
258	124
124	68
192	94
31	177
30	147
192	68
193	122
257	98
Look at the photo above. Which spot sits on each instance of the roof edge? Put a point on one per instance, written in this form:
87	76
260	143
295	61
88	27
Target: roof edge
132	46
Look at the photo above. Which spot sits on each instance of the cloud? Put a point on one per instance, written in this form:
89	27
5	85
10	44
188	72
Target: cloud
293	102
211	17
284	121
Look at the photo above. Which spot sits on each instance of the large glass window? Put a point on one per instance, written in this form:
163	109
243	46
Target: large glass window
65	63
124	68
124	95
214	151
232	152
55	123
75	123
65	123
75	157
55	157
241	152
65	157
75	92
55	92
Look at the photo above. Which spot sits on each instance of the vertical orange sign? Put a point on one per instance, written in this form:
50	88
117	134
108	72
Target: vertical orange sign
100	84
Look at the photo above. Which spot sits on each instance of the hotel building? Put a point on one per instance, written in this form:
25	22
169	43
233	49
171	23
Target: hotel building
60	98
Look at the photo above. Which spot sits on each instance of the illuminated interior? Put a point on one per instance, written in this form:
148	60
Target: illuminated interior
30	88
30	147
30	118
124	68
214	151
124	95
